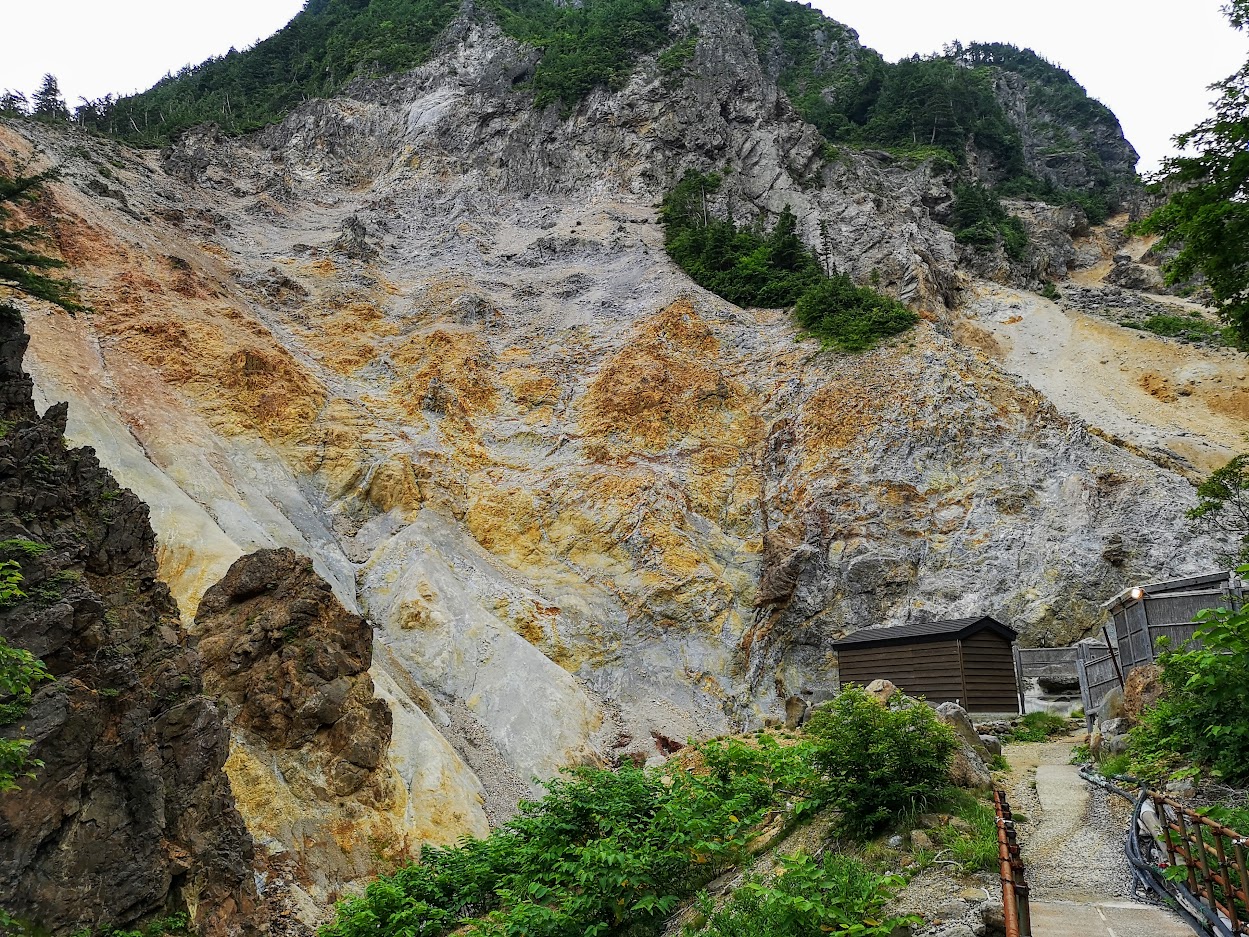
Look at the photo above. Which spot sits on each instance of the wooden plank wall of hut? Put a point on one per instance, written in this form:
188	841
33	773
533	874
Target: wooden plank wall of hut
930	670
989	674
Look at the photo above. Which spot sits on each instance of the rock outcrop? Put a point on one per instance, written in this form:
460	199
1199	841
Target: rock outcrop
311	754
130	816
427	336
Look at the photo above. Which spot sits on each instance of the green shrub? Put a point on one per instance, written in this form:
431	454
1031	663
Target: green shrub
603	852
878	761
1184	327
977	218
1037	727
613	852
809	898
1203	713
774	268
849	317
678	55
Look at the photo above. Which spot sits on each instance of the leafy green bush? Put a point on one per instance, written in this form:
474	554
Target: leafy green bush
1203	713
849	317
773	268
878	761
604	852
1037	727
613	852
808	898
20	671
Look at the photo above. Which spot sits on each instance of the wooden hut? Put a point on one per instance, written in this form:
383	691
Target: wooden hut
969	661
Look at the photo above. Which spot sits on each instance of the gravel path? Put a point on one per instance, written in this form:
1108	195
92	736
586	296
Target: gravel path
1073	845
1073	850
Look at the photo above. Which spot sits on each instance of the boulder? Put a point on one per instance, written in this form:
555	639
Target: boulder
992	743
1142	689
1111	706
1135	277
921	840
796	709
882	690
969	766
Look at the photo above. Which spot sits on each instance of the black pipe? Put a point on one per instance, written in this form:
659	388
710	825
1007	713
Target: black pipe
1145	872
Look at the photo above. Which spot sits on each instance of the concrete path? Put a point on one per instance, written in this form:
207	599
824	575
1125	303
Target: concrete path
1072	845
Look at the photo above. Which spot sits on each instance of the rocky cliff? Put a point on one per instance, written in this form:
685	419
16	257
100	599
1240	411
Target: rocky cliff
130	814
314	759
427	336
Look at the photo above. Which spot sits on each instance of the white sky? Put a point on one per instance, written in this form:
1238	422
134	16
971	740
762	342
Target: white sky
1149	60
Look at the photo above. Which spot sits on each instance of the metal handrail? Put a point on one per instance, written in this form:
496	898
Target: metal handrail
1213	857
1015	908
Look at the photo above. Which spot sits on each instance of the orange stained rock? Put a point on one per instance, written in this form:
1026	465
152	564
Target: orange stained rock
445	371
665	384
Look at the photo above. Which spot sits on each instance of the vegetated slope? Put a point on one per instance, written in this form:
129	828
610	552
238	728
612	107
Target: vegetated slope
428	336
1030	122
330	42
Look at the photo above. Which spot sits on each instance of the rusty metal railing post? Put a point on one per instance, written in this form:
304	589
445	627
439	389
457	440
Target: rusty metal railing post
1223	889
1015	909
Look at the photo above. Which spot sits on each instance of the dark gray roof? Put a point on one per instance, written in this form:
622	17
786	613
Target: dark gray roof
919	632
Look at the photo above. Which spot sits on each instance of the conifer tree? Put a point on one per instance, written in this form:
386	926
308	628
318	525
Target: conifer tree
49	105
1207	214
13	104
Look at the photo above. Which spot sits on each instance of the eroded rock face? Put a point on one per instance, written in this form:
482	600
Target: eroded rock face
131	815
428	336
312	738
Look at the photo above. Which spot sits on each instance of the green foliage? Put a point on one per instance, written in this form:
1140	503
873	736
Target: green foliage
47	103
878	761
326	45
978	218
603	852
1188	328
613	852
977	850
752	267
21	265
1050	291
1037	727
1113	765
746	266
1206	214
594	44
678	55
849	317
808	898
20	671
1223	506
1203	714
331	42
